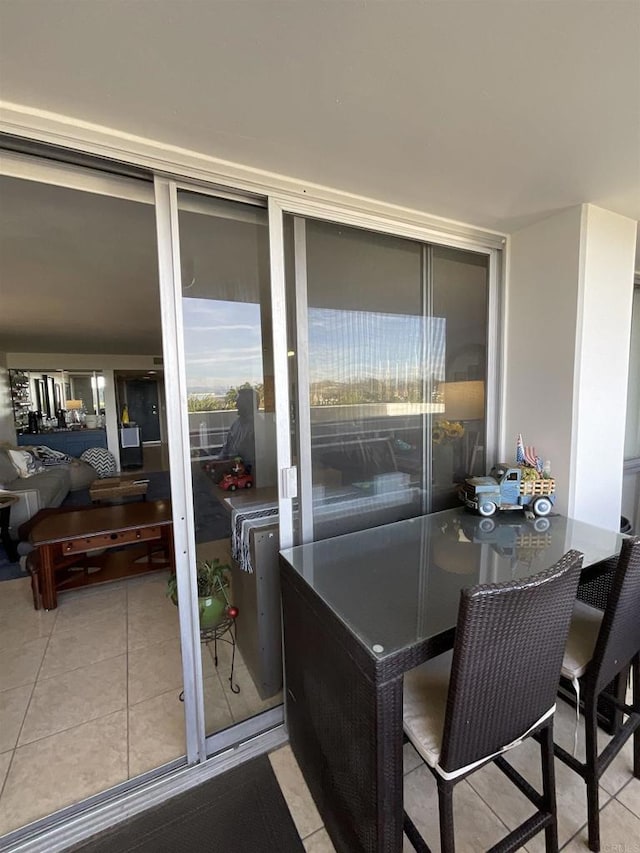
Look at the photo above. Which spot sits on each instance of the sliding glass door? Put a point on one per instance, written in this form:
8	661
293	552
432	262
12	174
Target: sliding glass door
387	359
226	331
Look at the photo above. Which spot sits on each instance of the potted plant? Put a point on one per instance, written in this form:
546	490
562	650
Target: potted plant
213	586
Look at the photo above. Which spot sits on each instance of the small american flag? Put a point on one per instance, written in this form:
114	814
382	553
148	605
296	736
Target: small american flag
526	455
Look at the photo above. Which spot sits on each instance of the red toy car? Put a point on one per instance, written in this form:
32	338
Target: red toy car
230	482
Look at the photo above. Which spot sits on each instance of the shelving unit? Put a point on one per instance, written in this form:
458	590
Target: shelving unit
21	398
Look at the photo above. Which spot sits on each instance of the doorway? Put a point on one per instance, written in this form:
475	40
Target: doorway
144	409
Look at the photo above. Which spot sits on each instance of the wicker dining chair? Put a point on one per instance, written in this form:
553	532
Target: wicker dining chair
498	687
601	645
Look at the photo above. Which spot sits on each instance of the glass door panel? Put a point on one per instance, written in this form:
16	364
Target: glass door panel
229	370
460	300
388	361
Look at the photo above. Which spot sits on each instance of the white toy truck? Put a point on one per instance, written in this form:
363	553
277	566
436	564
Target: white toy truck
509	488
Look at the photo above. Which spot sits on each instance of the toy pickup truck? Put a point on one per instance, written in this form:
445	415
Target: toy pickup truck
508	488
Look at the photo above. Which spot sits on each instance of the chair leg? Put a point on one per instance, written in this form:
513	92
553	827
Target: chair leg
635	697
549	787
591	777
445	804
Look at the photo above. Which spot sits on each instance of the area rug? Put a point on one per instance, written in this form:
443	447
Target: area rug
242	811
9	571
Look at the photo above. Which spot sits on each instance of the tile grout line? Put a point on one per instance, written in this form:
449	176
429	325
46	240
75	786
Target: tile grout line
26	710
620	803
314	832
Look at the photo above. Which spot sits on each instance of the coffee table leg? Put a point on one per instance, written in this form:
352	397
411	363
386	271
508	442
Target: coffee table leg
47	579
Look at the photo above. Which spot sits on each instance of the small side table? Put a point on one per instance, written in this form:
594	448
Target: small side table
7	499
224	631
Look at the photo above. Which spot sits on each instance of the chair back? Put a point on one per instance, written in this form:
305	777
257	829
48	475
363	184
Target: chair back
619	637
507	655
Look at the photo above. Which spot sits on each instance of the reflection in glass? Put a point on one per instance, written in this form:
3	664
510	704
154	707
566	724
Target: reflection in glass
229	372
396	339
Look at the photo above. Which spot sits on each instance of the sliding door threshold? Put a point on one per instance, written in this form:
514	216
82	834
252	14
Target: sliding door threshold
78	823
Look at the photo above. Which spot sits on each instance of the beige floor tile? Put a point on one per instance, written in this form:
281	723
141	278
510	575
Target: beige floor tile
80	608
410	759
15	593
629	796
247	703
21	665
13	707
63	769
294	788
476	826
319	842
5	761
216	708
24	628
154	670
156	732
156	623
619	831
75	697
619	771
85	644
513	807
147	590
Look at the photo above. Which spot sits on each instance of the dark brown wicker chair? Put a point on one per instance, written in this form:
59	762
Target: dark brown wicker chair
600	646
500	689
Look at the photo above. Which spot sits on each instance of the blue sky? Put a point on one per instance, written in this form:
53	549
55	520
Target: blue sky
223	345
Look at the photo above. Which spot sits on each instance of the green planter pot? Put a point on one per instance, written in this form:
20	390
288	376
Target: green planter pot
212	610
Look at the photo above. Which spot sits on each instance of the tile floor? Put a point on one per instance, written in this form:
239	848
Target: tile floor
89	692
88	698
487	806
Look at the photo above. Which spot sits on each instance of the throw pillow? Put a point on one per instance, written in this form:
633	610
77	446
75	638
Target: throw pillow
102	460
25	462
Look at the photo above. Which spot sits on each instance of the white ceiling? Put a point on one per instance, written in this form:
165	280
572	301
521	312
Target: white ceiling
492	113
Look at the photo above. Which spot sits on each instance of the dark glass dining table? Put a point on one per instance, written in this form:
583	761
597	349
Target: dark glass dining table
361	609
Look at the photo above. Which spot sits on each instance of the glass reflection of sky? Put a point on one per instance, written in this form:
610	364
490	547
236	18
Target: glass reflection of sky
353	346
223	344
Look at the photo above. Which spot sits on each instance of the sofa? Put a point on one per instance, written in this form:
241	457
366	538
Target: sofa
45	487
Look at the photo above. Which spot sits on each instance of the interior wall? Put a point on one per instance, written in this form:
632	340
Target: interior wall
602	356
540	311
568	319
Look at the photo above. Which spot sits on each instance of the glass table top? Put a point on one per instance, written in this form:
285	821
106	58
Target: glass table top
398	584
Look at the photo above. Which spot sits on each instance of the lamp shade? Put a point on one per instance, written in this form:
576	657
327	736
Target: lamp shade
74	404
464	401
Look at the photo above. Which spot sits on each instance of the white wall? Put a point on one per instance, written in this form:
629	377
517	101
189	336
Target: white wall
602	354
568	315
540	311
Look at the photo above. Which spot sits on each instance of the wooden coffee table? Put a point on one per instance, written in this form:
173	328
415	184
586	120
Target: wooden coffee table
115	488
62	542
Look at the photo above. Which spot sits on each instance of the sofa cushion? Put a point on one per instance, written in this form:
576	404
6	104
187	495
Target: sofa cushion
25	462
8	472
52	485
81	474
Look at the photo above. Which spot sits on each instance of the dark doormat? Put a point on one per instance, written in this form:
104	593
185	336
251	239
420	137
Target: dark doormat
242	811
